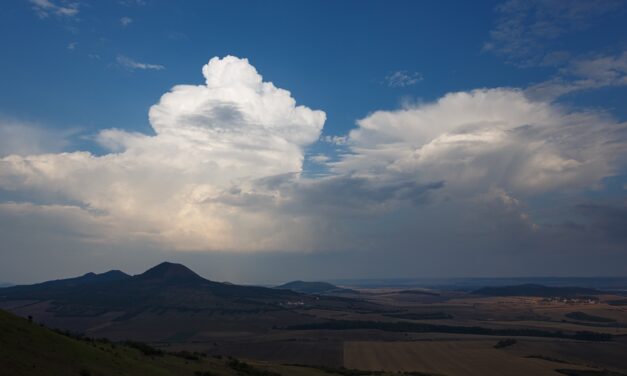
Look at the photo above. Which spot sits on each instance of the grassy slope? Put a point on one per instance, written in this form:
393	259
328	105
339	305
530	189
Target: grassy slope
28	349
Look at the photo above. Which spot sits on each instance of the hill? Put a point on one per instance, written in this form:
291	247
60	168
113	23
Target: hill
165	287
171	273
313	288
28	349
536	290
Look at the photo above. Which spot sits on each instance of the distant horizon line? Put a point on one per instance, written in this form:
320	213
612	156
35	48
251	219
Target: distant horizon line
346	279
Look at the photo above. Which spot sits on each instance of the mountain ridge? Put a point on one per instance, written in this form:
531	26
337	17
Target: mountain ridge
313	287
87	278
164	286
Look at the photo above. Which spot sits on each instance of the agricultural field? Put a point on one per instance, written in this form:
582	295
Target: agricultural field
449	357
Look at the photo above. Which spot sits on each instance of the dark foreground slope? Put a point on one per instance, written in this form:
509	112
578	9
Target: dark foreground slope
29	349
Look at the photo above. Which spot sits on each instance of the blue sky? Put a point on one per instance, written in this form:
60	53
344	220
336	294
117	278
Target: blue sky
330	55
74	70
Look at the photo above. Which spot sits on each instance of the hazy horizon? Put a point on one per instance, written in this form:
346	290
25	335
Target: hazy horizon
243	276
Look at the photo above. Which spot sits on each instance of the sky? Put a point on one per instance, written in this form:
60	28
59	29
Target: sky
265	141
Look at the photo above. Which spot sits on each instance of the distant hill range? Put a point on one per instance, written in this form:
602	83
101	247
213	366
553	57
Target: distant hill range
617	284
164	286
167	286
320	288
418	292
536	290
5	284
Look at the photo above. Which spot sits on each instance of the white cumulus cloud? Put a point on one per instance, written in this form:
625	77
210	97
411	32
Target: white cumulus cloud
234	128
488	138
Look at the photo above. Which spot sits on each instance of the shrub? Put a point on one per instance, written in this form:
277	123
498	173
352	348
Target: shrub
144	348
187	355
245	369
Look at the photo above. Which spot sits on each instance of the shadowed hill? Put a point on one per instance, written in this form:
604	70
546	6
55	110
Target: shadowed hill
170	272
49	289
111	275
167	286
536	290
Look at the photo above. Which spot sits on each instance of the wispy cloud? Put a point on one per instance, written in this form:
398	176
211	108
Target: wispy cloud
526	32
335	140
583	74
125	21
127	62
130	3
402	78
176	35
22	137
319	158
44	8
72	46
